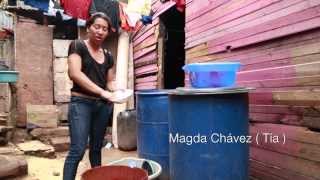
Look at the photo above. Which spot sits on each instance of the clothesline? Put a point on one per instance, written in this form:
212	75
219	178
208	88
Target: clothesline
126	16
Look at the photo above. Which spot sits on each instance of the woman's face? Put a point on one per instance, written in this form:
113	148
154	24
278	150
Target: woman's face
98	31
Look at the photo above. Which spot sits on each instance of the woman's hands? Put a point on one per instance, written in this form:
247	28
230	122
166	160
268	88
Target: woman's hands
106	95
119	96
111	96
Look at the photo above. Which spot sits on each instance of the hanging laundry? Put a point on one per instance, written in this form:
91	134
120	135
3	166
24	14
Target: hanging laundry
133	18
123	18
40	4
146	20
65	19
110	8
181	5
53	10
56	16
139	6
129	21
76	8
81	23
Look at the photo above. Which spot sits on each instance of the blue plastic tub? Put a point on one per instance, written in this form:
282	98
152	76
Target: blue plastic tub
208	75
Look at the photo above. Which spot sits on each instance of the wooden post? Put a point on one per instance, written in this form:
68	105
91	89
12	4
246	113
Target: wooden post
160	33
131	76
121	79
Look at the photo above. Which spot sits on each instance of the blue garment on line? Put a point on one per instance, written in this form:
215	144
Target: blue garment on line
146	19
42	5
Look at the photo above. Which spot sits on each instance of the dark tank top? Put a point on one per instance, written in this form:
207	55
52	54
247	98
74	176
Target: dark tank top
96	72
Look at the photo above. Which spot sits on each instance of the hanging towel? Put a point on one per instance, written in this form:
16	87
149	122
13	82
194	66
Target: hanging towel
123	18
133	18
76	8
110	8
42	5
142	7
129	21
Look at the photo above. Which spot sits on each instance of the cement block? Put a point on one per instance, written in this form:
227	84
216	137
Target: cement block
63	111
60	65
60	47
62	86
45	116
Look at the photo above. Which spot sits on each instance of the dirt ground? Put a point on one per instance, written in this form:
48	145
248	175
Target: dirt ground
51	169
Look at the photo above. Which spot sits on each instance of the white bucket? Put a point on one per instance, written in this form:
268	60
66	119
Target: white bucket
137	162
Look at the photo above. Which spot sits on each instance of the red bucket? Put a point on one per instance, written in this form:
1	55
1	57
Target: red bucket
115	173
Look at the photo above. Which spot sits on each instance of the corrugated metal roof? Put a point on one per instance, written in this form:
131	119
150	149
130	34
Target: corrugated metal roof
22	5
3	3
19	5
6	20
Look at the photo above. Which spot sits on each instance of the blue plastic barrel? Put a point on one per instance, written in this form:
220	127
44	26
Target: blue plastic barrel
199	125
152	128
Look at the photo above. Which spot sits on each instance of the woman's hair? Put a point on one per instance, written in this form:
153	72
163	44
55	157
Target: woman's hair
97	15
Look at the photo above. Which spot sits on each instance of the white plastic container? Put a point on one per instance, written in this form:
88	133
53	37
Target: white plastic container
137	162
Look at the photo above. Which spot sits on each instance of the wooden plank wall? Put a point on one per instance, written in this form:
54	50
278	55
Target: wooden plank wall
278	45
145	54
147	62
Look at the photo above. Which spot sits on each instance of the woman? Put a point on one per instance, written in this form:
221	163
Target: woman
91	96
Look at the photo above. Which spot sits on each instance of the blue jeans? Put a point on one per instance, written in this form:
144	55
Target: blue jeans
88	119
